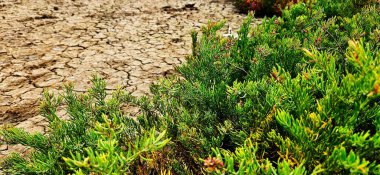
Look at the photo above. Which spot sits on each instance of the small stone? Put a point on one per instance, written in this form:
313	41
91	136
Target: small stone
59	48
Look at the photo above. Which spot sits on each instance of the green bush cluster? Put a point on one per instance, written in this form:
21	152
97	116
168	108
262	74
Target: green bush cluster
298	94
97	139
275	7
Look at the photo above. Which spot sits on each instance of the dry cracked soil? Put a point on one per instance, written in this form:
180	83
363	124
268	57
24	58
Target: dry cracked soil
47	43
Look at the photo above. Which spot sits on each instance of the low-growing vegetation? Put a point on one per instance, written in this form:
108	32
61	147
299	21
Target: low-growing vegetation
264	7
297	94
275	7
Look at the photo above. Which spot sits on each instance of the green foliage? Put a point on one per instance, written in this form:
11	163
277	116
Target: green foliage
292	85
97	137
344	8
316	139
245	157
109	158
298	94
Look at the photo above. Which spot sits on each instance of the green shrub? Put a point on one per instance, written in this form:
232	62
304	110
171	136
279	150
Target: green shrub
343	8
97	138
337	132
234	89
298	94
274	7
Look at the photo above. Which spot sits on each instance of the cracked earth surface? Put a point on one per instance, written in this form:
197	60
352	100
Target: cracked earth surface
46	43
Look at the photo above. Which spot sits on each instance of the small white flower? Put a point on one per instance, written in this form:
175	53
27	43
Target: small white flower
230	34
